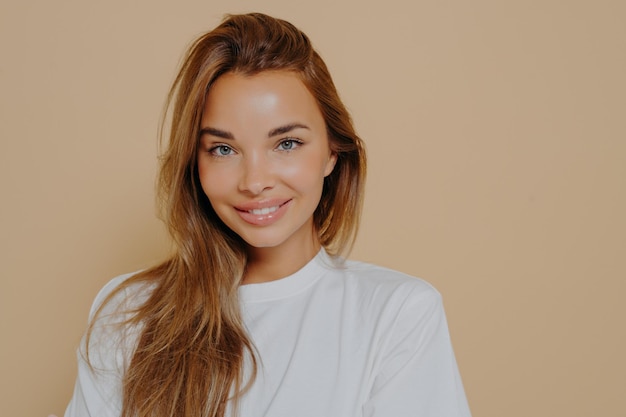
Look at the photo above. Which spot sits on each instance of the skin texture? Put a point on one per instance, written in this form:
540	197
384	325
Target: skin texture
263	156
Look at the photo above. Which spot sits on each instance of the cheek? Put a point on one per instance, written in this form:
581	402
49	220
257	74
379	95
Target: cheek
304	174
214	183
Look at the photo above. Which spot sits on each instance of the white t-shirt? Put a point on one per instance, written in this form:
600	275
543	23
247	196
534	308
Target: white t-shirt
334	340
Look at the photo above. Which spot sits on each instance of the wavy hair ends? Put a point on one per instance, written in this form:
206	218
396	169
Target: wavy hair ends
189	357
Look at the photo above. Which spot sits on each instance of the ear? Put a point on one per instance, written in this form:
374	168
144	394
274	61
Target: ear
330	164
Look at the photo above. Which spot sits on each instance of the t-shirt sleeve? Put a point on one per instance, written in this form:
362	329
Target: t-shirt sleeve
418	375
95	395
98	387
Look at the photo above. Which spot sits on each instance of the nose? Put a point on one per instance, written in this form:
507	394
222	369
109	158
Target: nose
256	174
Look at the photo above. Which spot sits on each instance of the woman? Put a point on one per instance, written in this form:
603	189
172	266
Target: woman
255	314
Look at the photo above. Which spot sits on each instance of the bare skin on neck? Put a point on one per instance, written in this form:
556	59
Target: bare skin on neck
270	264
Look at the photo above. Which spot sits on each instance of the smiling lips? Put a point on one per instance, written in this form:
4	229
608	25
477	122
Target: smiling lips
263	213
265	210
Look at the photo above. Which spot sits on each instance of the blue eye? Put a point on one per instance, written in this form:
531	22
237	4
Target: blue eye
288	144
221	150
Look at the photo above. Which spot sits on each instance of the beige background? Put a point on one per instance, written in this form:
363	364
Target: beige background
497	139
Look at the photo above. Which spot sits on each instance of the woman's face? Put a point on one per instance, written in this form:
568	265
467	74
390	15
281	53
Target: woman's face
262	158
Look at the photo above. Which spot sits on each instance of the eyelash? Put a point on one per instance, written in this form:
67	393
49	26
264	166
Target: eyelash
215	149
296	143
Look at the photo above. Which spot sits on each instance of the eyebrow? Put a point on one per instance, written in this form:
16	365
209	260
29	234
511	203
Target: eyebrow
285	129
281	130
216	132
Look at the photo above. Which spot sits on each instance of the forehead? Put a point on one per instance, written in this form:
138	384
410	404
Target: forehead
273	96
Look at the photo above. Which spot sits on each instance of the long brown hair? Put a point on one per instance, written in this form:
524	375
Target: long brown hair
190	352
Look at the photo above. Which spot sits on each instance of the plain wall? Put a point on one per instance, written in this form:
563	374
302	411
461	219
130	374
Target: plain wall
496	133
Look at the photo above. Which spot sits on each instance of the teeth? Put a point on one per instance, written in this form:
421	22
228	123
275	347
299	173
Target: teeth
265	210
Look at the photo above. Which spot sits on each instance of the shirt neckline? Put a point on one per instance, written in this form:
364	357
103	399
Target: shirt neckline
289	285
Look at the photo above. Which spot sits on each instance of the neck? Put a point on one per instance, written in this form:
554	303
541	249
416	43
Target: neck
270	264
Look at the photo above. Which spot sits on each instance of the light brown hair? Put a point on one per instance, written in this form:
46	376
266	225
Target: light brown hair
188	359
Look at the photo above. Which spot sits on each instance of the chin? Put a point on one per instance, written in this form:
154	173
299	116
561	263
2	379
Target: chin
262	241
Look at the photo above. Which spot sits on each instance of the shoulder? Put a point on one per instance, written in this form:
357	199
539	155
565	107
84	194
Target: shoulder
121	294
378	290
378	279
110	338
107	291
116	304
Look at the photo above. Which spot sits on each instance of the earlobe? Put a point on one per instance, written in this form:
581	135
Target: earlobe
330	164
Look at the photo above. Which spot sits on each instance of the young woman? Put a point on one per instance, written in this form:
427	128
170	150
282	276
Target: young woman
255	313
